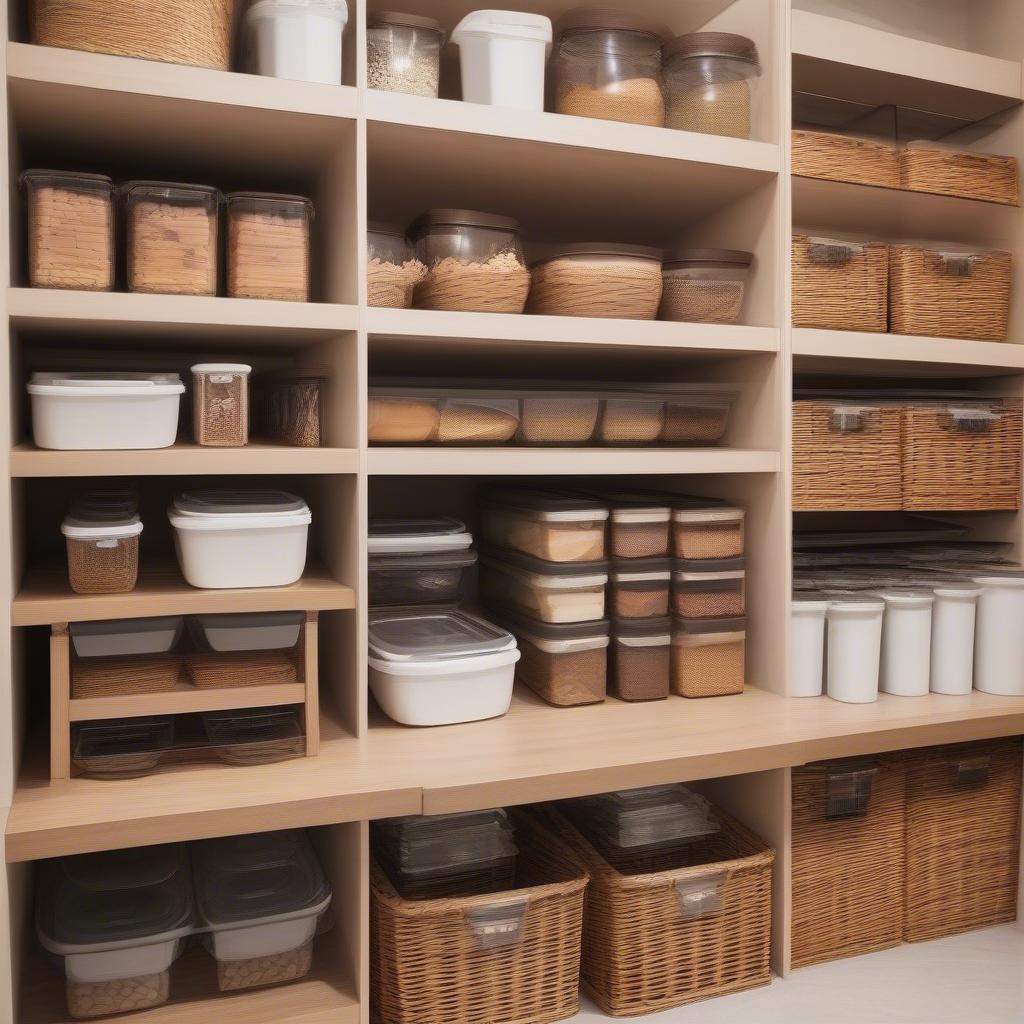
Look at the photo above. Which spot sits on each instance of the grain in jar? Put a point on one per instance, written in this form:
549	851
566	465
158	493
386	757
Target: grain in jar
704	286
707	531
220	404
632	419
295	406
709	590
638	531
102	551
70	230
697	416
269	246
639	659
403	53
638	588
558	418
392	269
550	526
708	657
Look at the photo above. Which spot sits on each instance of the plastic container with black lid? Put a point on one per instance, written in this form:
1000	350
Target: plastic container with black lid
547	525
639	587
708	657
392	269
709	590
639	660
705	286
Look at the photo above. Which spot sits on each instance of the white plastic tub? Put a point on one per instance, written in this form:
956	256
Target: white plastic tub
231	539
999	634
251	631
854	647
953	621
807	626
440	667
104	412
117	638
295	39
503	56
906	642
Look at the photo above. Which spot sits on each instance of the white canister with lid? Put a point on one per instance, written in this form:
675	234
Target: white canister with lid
854	646
906	642
953	622
999	633
807	658
295	39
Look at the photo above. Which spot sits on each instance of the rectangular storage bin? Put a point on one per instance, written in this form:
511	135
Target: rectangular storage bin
247	631
702	531
840	285
118	638
638	588
506	958
639	662
851	158
294	404
963	837
555	592
846	455
103	552
943	170
255	735
708	657
962	455
220	404
639	532
121	676
121	748
949	292
848	858
548	526
410	415
223	671
710	590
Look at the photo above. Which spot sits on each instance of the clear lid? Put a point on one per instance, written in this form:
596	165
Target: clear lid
240	369
420	562
438	845
172	192
712	44
119	627
383	19
255	727
429	634
630	570
538	567
123	737
273	203
238	502
545	506
416	536
71	181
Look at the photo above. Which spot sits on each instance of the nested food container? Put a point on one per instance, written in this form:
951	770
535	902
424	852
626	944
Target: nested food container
261	899
906	641
946	170
475	262
853	158
949	291
418	561
70	230
607	64
220	404
710	83
250	736
392	268
123	748
704	530
840	284
695	414
598	279
638	524
556	592
172	237
403	54
452	415
440	667
639	588
708	657
854	645
807	611
295	406
999	640
954	621
103	551
548	526
295	39
115	922
714	589
247	631
705	286
119	638
640	659
557	417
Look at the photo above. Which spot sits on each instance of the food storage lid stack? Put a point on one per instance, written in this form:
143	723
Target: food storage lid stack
546	506
255	735
417	536
239	502
434	634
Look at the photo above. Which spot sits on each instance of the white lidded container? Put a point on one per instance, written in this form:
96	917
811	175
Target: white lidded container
118	638
248	631
118	920
503	55
999	633
906	642
808	611
105	411
295	39
440	667
231	539
953	622
854	646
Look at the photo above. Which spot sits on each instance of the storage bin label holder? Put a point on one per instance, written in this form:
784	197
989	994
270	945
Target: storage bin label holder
700	897
499	925
848	792
970	772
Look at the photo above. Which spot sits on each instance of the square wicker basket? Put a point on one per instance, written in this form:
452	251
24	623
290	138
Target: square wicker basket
947	172
845	158
840	285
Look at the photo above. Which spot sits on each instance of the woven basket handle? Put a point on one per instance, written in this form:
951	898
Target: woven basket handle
972	771
973	159
849	419
848	792
970	421
957	264
499	925
831	251
700	897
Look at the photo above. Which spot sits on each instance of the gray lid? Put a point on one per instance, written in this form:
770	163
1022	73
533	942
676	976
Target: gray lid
681	255
237	502
708	627
518	622
710	565
538	566
540	501
410	528
248	620
434	634
118	627
422	560
636	628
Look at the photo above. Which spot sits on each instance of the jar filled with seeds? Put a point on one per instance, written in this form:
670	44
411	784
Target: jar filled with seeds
403	53
70	230
705	286
639	658
709	590
392	270
295	407
708	657
220	404
103	550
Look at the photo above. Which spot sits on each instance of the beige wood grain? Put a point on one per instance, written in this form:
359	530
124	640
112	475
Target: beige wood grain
60	700
184	701
311	677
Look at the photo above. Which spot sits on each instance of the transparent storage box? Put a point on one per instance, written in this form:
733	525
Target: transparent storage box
552	527
220	404
118	638
639	588
639	661
418	561
638	524
247	631
705	286
708	657
413	415
122	748
709	590
294	405
392	269
403	53
255	735
102	550
703	531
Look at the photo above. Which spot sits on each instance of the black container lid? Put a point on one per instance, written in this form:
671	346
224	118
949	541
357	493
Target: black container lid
516	621
448	217
680	255
708	627
640	565
596	19
540	567
710	565
713	44
637	628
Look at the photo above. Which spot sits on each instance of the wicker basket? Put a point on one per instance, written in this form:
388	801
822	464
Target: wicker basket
113	677
196	32
840	285
962	458
652	941
963	837
845	158
949	295
509	958
848	868
951	173
231	669
846	456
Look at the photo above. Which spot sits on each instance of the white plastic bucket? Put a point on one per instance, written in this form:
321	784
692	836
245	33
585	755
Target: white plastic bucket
295	39
503	55
999	636
906	643
953	622
807	657
854	647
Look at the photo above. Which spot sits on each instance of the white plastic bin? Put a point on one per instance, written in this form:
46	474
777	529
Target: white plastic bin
953	621
118	638
503	55
906	642
807	628
440	667
231	539
295	39
250	631
105	412
999	634
854	646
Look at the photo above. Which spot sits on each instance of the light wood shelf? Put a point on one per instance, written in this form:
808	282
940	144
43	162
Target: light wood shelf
185	700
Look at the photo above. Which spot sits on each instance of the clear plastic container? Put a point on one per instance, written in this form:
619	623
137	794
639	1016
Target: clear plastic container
392	269
707	531
119	638
251	736
103	551
418	561
422	415
247	631
710	80
598	279
954	617
70	230
220	404
710	590
261	898
551	527
705	286
607	64
807	631
639	588
640	658
708	657
854	647
638	524
121	748
475	262
403	54
906	642
999	639
116	921
295	39
172	237
295	406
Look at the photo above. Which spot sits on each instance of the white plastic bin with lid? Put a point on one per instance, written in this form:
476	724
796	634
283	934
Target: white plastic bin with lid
503	55
249	631
999	633
808	611
854	646
440	667
295	39
953	622
118	638
105	411
231	539
906	642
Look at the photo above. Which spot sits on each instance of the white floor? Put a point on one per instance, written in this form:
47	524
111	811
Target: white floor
977	978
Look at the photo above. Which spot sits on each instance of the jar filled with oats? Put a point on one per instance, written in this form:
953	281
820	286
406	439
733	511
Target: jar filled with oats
705	286
403	53
392	269
220	404
268	255
710	80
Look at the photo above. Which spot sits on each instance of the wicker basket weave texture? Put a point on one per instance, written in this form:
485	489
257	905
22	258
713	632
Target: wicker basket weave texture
111	677
106	570
963	839
845	158
840	287
427	964
969	175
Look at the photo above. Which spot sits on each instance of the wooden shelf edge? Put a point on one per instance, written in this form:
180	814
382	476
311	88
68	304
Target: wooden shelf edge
184	702
897	191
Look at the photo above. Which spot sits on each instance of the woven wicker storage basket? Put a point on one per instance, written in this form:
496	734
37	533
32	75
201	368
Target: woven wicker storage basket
197	32
848	872
963	458
110	677
652	941
950	173
229	669
112	569
845	158
840	285
504	958
949	295
963	837
846	456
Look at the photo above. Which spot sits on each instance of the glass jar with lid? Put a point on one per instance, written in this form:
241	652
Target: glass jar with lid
403	53
705	286
392	270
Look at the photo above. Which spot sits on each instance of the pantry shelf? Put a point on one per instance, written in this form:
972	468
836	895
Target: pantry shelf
184	701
